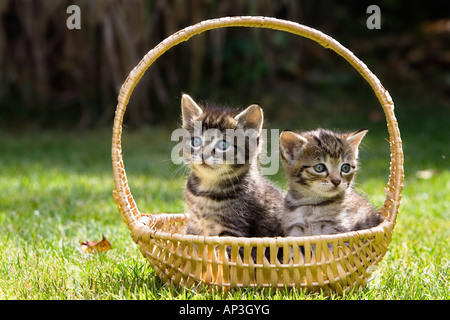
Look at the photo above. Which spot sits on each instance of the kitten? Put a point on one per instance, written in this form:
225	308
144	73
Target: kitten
225	193
320	166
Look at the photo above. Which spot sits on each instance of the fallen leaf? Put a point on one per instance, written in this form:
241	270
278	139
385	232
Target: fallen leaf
96	246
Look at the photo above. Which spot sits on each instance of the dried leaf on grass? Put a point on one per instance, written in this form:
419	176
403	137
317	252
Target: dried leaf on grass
96	246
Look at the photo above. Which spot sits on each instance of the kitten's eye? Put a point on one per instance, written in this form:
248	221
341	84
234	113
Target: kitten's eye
345	168
222	145
320	168
196	142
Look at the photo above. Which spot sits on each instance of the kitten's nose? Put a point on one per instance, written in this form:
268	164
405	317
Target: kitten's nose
336	182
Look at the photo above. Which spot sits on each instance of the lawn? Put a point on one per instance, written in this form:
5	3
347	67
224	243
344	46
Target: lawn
56	191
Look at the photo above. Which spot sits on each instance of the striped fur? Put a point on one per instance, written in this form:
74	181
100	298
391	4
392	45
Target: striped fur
323	202
231	198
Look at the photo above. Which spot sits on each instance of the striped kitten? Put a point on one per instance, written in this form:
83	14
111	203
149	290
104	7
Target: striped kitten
225	193
320	166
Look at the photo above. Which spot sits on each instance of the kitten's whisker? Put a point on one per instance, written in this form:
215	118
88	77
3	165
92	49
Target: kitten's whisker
179	169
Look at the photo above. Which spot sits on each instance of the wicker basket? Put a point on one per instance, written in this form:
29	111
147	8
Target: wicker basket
188	260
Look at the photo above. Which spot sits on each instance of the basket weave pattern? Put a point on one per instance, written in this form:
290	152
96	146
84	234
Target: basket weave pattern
337	262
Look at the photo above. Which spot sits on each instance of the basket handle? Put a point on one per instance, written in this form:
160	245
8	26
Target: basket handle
122	194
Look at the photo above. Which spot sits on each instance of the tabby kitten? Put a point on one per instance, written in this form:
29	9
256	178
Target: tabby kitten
320	166
225	193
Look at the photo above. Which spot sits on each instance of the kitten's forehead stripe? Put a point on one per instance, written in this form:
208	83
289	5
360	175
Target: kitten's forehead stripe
331	144
218	118
323	142
215	118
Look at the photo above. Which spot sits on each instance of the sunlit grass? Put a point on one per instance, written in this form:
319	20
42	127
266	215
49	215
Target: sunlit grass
56	191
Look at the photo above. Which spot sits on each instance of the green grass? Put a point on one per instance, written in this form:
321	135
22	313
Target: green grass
56	192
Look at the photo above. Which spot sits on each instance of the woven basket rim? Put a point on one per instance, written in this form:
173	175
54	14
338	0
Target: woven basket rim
122	194
253	241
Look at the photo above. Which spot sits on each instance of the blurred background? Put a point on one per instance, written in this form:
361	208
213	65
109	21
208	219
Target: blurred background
53	77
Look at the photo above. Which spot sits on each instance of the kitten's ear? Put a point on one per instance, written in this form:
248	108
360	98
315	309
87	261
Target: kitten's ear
355	138
251	118
290	144
189	109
